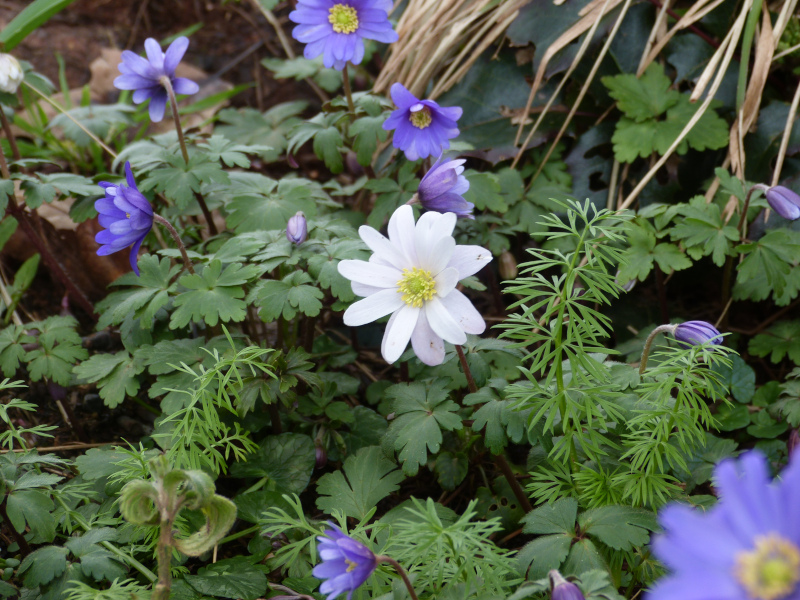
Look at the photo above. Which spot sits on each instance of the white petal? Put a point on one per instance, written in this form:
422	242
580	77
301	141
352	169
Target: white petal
433	227
469	260
443	323
401	231
383	248
398	332
461	309
359	289
370	273
428	346
446	282
439	255
372	308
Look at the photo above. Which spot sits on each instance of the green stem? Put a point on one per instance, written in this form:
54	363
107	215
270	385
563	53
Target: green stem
239	534
178	241
467	372
649	342
164	551
347	91
400	571
727	270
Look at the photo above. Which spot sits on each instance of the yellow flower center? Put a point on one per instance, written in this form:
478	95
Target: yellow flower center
343	18
350	565
127	215
771	570
417	286
421	119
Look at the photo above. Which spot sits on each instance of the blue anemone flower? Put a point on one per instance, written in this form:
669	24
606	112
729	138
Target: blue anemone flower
746	547
442	187
143	76
126	215
346	563
694	333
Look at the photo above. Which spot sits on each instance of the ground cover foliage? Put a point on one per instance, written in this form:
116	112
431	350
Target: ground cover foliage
613	153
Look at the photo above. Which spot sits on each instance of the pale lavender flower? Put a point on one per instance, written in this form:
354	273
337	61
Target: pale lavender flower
336	28
297	228
346	563
442	187
144	76
422	128
746	547
784	202
127	217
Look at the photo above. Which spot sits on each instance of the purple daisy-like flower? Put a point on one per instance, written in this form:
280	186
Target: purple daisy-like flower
422	127
695	333
336	28
746	547
442	187
784	202
346	563
126	215
144	76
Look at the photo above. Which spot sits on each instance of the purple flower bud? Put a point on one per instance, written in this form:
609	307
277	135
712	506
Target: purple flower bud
563	589
784	202
442	186
297	228
694	333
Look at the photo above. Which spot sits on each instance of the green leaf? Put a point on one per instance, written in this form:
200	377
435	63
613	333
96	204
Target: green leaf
670	258
32	17
263	204
766	427
300	68
642	98
365	479
32	507
773	255
230	578
778	341
151	293
702	228
731	417
422	412
214	295
619	527
6	190
583	556
451	469
115	375
220	148
49	561
103	565
180	181
743	380
54	360
367	131
485	191
558	517
544	553
499	418
287	297
286	459
326	146
37	193
12	351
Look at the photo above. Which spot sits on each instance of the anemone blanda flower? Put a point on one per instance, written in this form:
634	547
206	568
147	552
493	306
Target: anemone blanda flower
784	202
346	563
442	186
747	547
297	228
412	275
126	215
694	333
11	74
336	28
144	76
422	127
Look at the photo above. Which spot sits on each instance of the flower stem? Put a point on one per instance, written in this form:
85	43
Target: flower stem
347	91
173	104
164	550
12	140
649	342
465	367
400	571
178	241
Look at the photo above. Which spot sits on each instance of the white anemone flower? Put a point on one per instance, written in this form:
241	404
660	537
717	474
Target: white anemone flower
413	275
11	74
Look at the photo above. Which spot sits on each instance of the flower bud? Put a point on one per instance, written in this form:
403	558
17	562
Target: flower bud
11	74
784	202
563	589
508	266
297	228
694	333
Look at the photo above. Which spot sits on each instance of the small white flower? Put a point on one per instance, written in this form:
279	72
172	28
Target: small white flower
413	276
10	74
